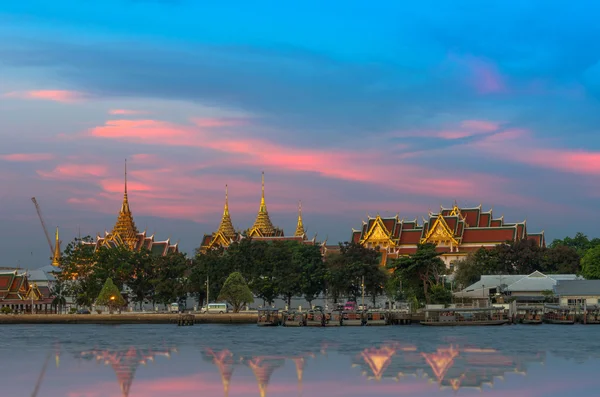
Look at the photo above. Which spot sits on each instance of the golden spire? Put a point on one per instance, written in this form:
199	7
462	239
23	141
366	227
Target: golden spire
300	232
125	231
226	227
262	225
56	256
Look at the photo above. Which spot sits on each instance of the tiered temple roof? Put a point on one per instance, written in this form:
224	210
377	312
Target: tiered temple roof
15	289
261	230
125	233
454	230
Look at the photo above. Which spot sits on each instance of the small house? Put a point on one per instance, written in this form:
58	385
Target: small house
578	292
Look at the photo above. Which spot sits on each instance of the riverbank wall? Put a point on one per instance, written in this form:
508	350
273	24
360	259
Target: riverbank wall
126	318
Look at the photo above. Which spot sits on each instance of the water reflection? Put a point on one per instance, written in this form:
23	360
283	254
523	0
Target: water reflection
413	365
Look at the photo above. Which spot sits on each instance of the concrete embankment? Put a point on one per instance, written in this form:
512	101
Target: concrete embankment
126	318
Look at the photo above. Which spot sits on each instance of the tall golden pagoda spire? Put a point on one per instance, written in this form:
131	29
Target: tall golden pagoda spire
262	225
226	226
125	231
300	232
56	256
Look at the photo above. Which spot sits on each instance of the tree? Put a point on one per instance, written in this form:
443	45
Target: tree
440	295
561	259
78	272
579	243
235	291
469	270
424	266
170	284
313	271
58	294
590	264
393	288
143	273
287	268
110	296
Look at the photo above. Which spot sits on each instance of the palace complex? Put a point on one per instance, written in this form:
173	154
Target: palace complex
456	232
261	230
126	234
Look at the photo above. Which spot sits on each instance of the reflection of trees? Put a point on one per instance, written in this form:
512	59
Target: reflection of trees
125	362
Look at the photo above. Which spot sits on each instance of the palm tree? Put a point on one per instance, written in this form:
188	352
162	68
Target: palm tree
58	296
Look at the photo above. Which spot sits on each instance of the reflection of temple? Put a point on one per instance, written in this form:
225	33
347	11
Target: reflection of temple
125	363
126	234
261	230
224	362
450	366
456	232
263	368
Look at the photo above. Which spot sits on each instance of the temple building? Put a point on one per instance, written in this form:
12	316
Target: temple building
261	230
21	295
456	232
126	234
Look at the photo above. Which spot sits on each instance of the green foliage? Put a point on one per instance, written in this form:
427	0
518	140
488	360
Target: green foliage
393	288
58	294
423	268
580	243
590	264
6	310
440	295
110	296
345	272
235	291
170	281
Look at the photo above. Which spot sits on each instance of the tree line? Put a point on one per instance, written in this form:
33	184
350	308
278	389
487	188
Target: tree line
286	269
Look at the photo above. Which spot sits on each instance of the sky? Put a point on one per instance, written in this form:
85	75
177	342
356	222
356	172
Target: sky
352	109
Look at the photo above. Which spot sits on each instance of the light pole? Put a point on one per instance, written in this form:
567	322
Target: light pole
112	303
207	286
31	293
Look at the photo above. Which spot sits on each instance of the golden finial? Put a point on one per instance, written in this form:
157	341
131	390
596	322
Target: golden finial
262	196
226	226
125	230
56	256
262	225
300	232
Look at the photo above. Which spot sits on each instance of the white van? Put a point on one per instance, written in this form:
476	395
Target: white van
219	308
174	308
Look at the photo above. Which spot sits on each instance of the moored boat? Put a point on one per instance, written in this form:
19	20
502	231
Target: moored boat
465	316
529	314
315	318
333	318
592	315
377	317
268	317
294	319
558	315
353	318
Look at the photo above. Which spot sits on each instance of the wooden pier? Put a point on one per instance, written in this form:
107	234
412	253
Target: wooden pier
186	319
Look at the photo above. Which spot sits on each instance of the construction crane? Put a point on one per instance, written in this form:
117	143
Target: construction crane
39	212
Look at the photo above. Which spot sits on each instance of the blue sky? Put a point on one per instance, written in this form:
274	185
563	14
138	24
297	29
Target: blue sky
353	109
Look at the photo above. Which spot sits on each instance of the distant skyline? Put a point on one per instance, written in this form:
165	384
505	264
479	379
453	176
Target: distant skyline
350	108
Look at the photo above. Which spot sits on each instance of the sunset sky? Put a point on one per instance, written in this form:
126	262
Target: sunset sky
351	108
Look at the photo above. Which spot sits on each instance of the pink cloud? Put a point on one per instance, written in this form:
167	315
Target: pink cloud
27	157
126	112
49	95
219	122
464	129
482	74
71	171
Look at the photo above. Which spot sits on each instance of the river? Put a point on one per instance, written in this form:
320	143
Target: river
245	360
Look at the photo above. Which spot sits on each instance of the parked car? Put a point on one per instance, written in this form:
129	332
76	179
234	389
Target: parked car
83	311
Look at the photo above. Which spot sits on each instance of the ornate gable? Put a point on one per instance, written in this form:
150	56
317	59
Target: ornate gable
440	232
378	234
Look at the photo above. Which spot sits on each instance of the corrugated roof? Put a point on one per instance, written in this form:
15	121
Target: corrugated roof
538	281
578	288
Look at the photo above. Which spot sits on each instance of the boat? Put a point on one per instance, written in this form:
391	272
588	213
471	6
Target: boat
333	318
465	316
377	317
315	318
268	317
529	314
353	318
294	319
591	315
558	315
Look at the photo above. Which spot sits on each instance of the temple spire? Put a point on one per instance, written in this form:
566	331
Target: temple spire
56	256
226	226
300	232
262	225
125	232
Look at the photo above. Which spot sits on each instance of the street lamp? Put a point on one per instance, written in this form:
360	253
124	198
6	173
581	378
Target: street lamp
31	293
112	303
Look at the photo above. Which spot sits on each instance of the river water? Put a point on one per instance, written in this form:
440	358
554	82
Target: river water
246	360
